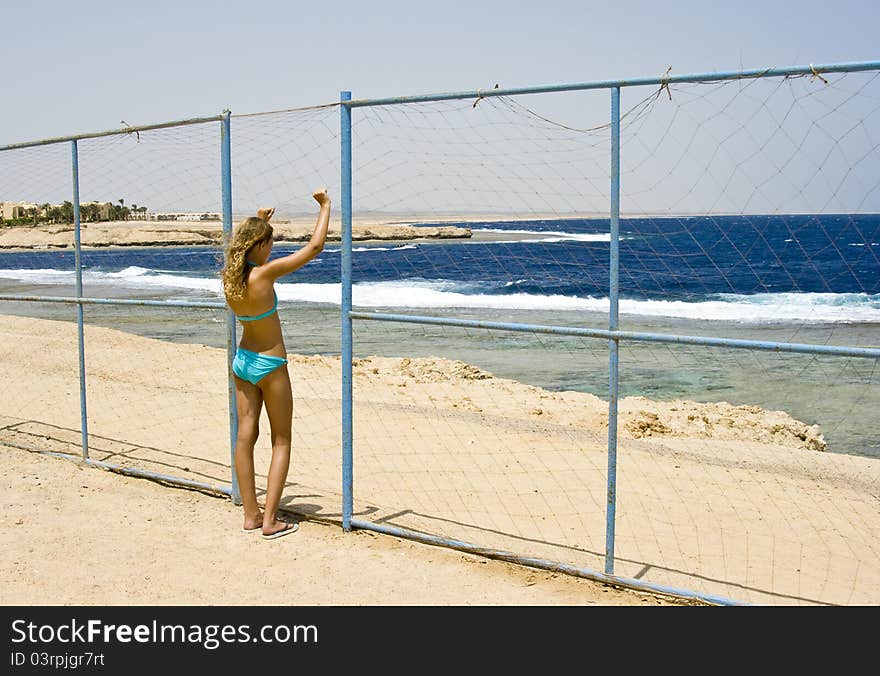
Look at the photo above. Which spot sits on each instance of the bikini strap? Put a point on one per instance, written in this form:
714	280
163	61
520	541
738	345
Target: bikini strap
264	314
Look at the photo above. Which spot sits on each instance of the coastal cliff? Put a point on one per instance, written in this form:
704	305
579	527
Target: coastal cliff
193	233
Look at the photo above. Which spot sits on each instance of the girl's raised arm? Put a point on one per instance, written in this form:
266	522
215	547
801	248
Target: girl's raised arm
294	261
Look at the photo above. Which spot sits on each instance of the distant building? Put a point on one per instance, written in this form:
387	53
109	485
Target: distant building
10	210
103	209
100	211
200	216
15	210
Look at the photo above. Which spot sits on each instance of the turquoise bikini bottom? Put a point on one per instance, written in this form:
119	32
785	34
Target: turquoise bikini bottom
253	366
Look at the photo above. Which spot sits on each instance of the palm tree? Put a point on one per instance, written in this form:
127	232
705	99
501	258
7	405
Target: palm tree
45	208
134	208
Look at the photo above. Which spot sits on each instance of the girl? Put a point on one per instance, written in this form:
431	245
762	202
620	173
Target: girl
260	363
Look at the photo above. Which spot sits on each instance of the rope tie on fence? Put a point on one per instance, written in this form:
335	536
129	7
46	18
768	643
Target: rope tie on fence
134	131
816	75
480	97
664	83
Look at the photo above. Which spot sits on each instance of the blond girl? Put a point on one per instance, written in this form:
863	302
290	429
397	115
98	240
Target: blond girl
260	363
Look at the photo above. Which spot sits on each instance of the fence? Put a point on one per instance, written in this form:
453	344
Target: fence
744	269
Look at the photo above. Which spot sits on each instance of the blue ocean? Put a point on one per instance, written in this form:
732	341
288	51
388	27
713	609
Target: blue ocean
790	278
738	268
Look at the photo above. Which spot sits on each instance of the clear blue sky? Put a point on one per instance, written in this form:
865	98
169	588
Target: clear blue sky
71	67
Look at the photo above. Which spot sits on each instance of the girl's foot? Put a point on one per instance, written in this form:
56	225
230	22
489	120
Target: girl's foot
252	525
279	529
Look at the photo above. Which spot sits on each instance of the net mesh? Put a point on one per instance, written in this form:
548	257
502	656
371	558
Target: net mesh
748	212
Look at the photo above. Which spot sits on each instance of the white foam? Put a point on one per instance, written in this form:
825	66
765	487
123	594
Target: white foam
441	293
39	276
549	235
133	277
807	307
376	248
760	308
131	271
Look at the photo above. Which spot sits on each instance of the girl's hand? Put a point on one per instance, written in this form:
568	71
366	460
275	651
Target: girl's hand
321	196
265	213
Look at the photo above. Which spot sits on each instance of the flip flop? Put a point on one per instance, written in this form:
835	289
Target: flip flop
289	528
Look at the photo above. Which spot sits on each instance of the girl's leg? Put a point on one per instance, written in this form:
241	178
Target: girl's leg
249	401
279	406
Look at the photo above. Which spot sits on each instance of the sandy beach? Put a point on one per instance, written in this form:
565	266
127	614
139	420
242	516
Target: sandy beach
732	501
114	540
122	540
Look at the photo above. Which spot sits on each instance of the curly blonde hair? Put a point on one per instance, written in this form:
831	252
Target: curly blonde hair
249	233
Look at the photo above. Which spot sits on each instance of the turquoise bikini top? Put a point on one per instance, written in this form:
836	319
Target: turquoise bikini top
264	314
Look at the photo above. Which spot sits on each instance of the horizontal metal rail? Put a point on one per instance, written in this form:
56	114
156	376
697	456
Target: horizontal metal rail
167	478
543	564
112	132
131	471
631	82
115	301
839	351
486	93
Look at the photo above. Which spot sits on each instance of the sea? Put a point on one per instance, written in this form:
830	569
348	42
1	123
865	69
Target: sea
808	279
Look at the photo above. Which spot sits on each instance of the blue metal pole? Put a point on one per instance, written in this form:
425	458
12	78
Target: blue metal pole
144	474
117	301
77	258
347	404
604	334
794	71
112	132
614	343
543	564
226	191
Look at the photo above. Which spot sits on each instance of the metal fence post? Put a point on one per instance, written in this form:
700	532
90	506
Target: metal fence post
77	258
347	404
614	343
226	191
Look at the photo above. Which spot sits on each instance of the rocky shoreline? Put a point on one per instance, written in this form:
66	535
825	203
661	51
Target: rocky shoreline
187	233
